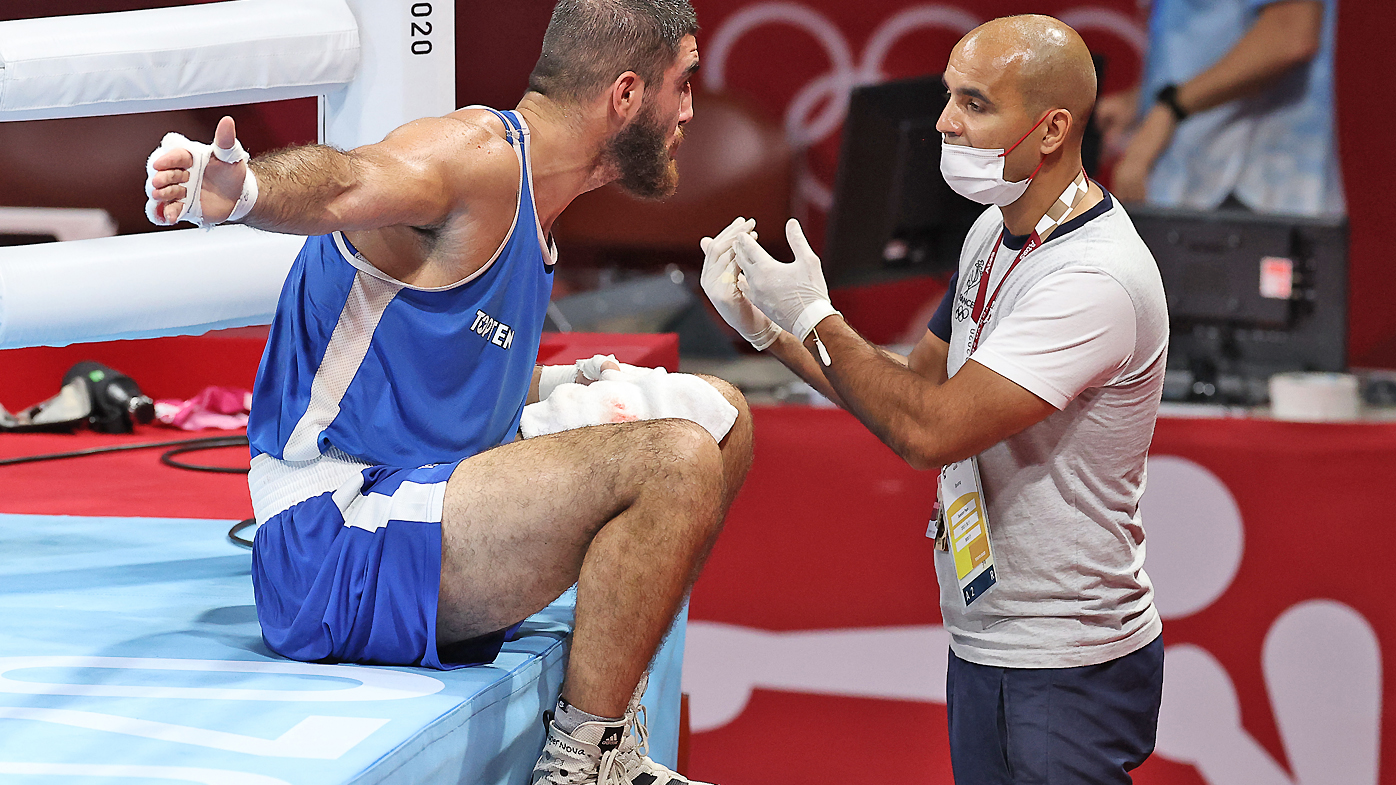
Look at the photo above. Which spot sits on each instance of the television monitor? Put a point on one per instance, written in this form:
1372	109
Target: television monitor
1249	295
893	215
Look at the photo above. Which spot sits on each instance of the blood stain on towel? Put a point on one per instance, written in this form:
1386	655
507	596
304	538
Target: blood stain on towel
619	412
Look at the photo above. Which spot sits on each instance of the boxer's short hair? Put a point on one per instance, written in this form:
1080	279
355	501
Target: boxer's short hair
591	42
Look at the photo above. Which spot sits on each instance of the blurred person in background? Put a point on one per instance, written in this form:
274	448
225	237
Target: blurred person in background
1235	108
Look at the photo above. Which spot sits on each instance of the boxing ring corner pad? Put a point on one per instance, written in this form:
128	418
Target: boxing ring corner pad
373	65
407	71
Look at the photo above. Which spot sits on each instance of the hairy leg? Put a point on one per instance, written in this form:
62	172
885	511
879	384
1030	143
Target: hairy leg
628	512
737	444
595	674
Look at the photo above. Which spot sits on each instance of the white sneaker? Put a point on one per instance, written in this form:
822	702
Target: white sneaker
604	753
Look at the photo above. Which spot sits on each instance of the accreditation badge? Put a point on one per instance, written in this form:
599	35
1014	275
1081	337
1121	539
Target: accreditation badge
966	527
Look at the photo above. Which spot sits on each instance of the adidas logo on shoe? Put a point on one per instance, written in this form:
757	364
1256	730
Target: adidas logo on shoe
600	754
611	739
604	753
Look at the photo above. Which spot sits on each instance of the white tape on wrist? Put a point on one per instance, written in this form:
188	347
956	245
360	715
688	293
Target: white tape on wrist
192	207
248	197
810	318
550	377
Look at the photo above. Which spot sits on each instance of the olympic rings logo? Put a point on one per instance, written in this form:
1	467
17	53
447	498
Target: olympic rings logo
829	93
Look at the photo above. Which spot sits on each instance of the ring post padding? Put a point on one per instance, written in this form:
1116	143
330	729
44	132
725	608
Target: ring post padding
408	71
215	54
141	286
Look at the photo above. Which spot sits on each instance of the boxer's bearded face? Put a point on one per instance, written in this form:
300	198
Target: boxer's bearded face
643	153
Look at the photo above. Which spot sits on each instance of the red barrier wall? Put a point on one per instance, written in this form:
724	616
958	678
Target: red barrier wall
1291	534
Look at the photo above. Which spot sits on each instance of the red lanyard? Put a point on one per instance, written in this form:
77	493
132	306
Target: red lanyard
980	314
981	311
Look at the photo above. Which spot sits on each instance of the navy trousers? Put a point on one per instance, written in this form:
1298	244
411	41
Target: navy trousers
1054	726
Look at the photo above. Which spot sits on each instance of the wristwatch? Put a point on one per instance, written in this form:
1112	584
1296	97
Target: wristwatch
1168	96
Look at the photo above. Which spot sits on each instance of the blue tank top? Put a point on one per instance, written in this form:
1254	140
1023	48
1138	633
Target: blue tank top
402	375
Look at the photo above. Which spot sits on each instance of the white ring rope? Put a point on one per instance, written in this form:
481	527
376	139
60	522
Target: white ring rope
185	57
215	54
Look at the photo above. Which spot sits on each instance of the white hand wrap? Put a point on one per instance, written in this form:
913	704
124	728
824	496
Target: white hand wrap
192	210
591	368
550	376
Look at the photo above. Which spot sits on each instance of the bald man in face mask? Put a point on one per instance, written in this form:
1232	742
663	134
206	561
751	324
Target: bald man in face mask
1034	394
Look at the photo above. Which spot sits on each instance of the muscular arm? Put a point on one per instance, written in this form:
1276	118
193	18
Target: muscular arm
421	175
533	396
798	359
926	419
928	358
418	176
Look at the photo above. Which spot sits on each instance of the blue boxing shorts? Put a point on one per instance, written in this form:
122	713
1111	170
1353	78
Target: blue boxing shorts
353	574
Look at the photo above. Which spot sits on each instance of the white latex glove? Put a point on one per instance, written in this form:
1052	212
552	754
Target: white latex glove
794	295
719	281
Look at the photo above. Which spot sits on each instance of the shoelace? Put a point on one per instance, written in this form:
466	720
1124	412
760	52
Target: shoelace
639	723
611	772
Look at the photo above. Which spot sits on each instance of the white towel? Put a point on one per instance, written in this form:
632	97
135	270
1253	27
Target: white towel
628	395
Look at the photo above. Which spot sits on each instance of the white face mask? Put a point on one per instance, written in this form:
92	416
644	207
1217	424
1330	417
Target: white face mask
976	173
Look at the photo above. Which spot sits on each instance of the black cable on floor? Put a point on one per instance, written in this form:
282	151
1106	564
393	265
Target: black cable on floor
54	456
180	446
167	457
235	533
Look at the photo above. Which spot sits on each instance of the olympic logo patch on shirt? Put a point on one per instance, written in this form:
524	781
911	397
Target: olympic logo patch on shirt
964	304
